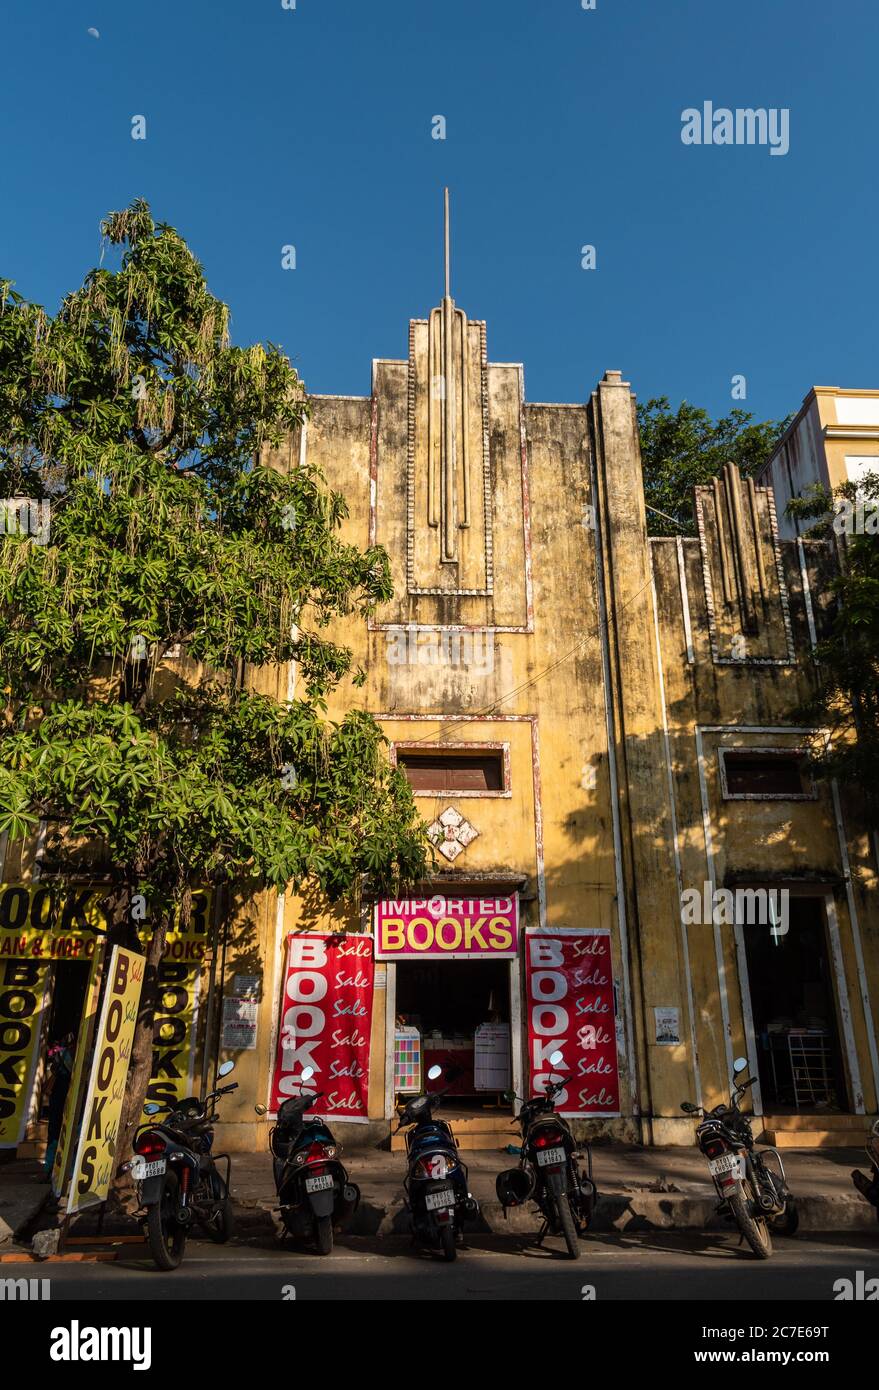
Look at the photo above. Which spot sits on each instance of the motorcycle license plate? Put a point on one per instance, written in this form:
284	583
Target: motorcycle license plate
443	1197
547	1158
727	1163
319	1184
140	1169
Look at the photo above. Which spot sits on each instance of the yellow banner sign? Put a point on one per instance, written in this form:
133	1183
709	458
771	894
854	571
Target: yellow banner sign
58	921
22	993
174	1032
96	1152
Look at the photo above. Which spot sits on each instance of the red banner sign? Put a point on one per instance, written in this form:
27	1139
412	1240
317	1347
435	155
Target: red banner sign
326	1017
569	975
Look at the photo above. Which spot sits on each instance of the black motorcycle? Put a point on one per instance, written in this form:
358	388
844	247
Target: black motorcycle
437	1194
757	1198
868	1184
311	1181
548	1173
176	1176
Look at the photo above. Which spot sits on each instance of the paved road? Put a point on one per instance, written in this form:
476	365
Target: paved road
656	1266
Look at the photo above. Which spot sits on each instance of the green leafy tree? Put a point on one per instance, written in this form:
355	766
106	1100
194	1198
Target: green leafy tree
132	417
846	702
684	448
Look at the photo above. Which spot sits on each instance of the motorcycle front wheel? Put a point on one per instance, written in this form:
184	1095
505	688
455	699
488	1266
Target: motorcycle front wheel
755	1230
165	1236
787	1224
221	1226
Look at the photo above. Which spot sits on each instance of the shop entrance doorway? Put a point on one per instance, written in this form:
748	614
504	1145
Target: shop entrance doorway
58	1046
459	1014
795	1026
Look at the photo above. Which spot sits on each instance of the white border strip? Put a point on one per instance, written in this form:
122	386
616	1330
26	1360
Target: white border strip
622	921
691	1005
685	599
859	951
712	879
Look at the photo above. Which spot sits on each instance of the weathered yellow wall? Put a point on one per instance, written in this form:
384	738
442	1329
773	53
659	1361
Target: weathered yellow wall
544	693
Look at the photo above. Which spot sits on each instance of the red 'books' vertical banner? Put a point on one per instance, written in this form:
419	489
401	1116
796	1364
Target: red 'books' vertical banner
569	976
325	1023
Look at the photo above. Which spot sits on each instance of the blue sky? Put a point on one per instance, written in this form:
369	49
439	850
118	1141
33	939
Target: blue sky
268	126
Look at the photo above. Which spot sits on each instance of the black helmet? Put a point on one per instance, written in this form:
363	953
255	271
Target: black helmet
514	1186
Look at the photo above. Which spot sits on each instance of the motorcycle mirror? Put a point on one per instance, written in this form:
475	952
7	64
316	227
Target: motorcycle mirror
740	1065
261	1109
307	1073
152	1108
556	1058
225	1067
434	1072
687	1106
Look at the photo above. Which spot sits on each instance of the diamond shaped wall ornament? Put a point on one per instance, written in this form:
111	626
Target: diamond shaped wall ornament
451	833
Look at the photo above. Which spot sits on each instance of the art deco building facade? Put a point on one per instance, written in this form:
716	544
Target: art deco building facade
598	727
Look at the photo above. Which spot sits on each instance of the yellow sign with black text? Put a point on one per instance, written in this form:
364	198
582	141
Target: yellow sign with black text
96	1152
22	993
58	921
175	1025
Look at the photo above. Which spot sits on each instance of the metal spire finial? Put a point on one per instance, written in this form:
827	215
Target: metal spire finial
448	253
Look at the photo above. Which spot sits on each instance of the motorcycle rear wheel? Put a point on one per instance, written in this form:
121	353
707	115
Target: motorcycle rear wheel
756	1231
447	1243
569	1229
323	1234
165	1236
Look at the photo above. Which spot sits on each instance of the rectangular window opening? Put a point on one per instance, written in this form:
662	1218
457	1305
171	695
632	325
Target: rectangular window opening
443	771
764	774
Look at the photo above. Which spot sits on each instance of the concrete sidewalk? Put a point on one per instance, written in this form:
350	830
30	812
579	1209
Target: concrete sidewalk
639	1189
666	1189
23	1193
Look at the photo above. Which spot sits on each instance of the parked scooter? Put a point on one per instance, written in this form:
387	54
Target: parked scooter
311	1181
868	1185
757	1198
176	1175
548	1173
437	1194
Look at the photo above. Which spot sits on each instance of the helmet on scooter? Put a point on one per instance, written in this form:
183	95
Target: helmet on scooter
514	1186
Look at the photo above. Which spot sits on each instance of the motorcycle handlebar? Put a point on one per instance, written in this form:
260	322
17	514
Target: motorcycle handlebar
555	1086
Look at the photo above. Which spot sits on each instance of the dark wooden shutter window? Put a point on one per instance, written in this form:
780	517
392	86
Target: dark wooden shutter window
762	774
481	771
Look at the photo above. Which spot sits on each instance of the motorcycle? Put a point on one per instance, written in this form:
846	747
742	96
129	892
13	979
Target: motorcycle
758	1199
176	1176
311	1182
437	1194
548	1173
866	1185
